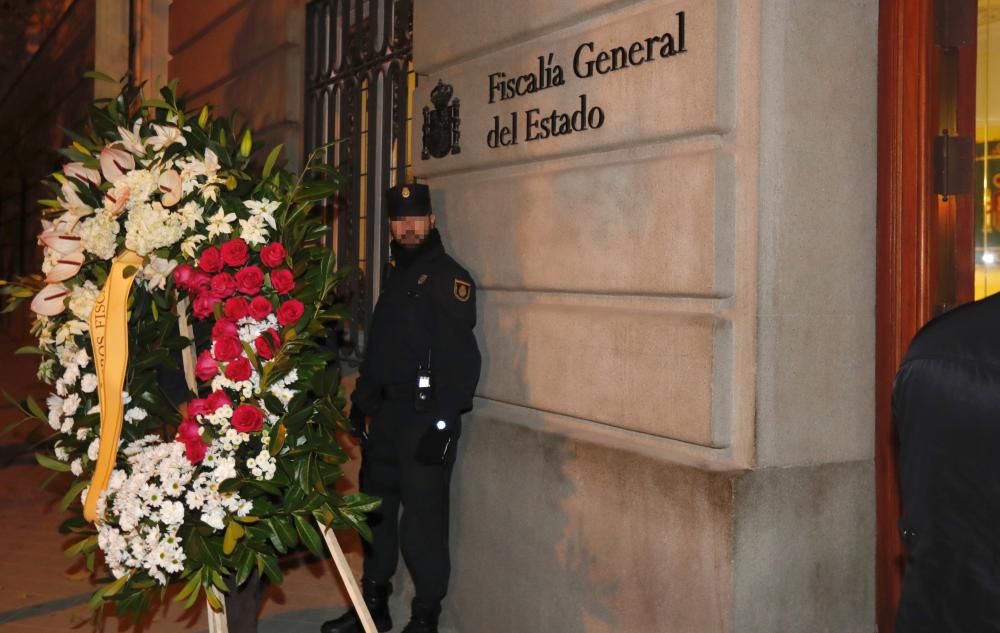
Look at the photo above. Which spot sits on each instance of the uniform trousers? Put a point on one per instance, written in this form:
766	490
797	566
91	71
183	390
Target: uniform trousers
389	470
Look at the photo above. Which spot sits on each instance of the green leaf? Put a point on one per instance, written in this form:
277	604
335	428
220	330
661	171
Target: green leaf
191	587
35	409
283	531
277	440
51	464
271	159
72	494
309	535
269	566
234	532
213	600
81	546
28	350
116	586
129	271
245	561
94	74
156	103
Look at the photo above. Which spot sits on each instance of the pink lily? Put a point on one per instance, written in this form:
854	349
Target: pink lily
170	185
81	173
50	301
115	163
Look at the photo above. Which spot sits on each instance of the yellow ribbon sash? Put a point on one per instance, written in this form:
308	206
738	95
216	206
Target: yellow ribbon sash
109	339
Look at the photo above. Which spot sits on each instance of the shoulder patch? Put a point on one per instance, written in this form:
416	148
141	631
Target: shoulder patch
463	290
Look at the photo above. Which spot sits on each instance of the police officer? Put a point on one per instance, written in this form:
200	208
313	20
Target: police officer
946	404
419	375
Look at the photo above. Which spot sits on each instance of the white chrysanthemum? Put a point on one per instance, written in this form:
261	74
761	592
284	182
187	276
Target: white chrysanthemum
60	452
152	226
71	403
82	298
88	384
99	235
76	467
94	449
135	414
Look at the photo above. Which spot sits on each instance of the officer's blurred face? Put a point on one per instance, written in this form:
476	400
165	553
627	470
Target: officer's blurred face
411	231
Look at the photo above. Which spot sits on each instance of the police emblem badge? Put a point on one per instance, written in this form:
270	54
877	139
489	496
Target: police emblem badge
405	192
463	290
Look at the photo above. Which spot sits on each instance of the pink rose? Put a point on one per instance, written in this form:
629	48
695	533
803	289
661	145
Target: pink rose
203	305
260	307
239	370
235	252
210	260
224	327
249	280
184	276
223	285
282	281
273	255
218	399
227	348
290	312
247	419
206	367
267	344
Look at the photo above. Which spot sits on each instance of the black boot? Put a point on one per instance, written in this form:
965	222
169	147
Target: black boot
424	618
377	599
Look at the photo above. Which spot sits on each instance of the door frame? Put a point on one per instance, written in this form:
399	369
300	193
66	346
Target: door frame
903	293
913	230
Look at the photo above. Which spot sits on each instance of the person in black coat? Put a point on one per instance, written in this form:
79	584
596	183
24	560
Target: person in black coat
946	406
418	376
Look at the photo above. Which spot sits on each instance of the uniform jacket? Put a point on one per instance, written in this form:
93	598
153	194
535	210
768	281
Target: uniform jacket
426	313
946	404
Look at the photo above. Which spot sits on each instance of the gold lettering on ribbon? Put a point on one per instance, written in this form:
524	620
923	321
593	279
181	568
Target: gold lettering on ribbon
109	339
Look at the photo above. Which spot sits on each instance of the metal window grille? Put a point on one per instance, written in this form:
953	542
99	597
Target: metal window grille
359	88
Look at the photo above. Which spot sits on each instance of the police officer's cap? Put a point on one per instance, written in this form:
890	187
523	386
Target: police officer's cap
408	200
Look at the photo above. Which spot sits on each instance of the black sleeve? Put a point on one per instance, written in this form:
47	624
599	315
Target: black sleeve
366	396
455	354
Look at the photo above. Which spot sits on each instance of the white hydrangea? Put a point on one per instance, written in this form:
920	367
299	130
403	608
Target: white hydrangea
141	184
152	226
99	234
82	299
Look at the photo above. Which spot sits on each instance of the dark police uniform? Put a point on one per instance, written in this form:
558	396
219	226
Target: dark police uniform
424	319
946	404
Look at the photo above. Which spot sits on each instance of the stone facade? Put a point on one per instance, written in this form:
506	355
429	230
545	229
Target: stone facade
674	425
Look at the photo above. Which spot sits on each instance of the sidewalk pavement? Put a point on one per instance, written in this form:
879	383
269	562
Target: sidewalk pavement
41	590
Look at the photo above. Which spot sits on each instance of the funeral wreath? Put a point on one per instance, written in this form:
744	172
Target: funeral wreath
211	252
